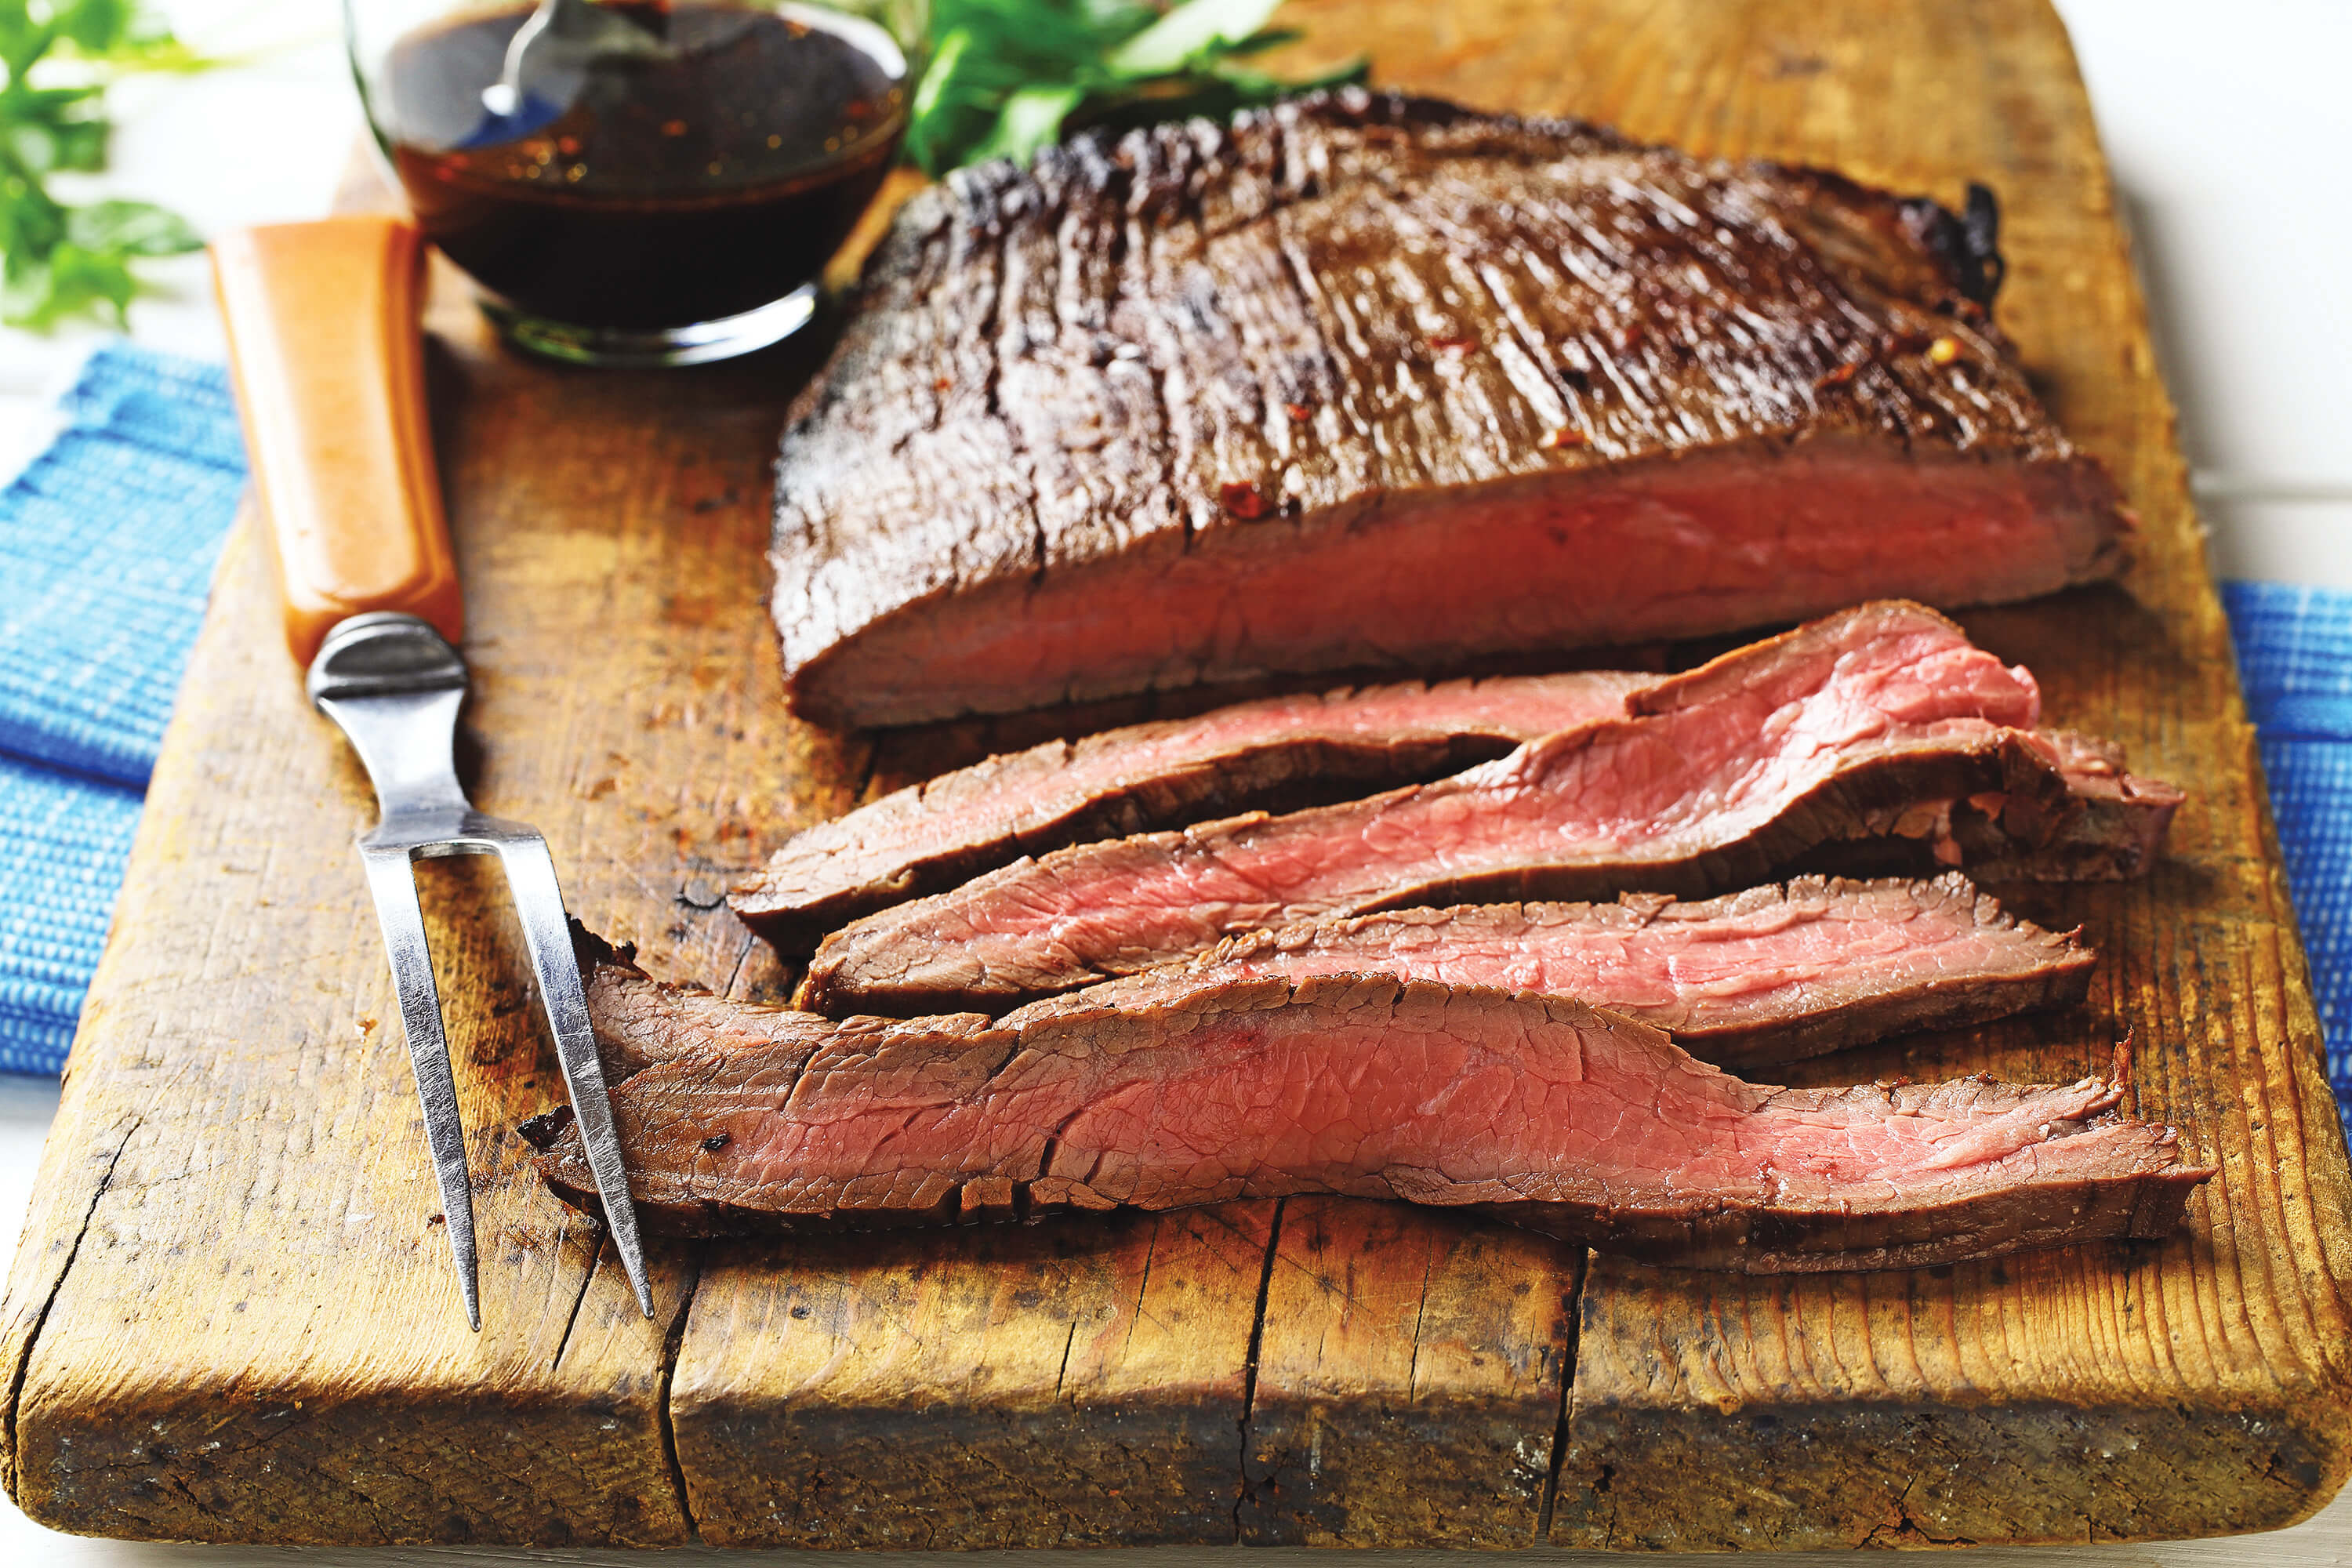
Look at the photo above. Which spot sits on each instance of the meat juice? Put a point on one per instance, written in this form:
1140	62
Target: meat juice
708	176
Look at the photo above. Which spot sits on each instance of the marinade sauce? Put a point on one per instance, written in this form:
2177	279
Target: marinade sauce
708	173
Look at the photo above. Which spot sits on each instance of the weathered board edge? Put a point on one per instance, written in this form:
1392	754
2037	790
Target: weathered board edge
121	1463
29	1296
1711	1478
1850	1473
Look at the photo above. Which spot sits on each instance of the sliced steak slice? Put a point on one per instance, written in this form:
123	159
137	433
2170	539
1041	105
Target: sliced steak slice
1277	754
2110	828
1286	752
1751	979
1583	1124
1718	778
639	1021
1366	382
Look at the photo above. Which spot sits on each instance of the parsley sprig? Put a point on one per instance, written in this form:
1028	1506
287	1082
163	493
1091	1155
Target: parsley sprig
1007	77
58	58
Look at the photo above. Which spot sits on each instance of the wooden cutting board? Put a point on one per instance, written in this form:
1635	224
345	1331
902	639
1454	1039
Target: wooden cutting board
233	1316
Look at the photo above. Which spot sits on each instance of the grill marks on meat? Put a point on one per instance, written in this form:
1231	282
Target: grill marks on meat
1593	1127
1755	978
1364	382
1718	778
1276	755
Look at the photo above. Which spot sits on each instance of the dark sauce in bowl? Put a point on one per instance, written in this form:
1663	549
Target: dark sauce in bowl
704	179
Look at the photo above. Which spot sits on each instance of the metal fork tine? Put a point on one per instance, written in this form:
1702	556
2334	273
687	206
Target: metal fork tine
395	686
392	880
539	902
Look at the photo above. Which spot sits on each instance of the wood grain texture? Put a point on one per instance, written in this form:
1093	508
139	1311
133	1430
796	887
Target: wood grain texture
232	1316
1407	1382
2162	1391
1061	1385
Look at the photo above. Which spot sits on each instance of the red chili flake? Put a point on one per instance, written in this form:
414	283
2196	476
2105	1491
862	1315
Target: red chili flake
1626	336
1242	501
1453	345
1299	412
943	384
1837	377
1553	441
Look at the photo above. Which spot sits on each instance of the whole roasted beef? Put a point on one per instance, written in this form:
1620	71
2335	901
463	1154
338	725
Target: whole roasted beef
1850	728
1751	979
1370	382
1273	755
1586	1125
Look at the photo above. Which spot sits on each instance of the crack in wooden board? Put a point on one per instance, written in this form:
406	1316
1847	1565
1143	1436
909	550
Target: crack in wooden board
1055	1385
259	1336
232	1316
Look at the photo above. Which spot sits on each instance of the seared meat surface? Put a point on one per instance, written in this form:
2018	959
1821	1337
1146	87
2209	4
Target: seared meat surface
1366	382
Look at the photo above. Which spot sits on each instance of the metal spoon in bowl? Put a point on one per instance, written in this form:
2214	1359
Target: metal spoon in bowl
549	57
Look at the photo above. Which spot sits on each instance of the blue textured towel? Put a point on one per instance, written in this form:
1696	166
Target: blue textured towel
63	840
2294	656
107	545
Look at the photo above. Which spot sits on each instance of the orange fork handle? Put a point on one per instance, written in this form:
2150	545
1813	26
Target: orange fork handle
327	353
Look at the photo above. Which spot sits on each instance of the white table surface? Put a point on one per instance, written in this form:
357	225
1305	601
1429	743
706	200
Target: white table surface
2229	128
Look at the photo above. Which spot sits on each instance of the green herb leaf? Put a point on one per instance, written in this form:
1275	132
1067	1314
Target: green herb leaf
69	281
72	147
95	25
60	262
1190	35
1007	77
130	228
31	224
1032	118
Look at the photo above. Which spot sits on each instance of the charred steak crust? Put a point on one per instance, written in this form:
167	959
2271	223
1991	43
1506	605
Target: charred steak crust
1579	1122
1365	381
2111	830
1968	242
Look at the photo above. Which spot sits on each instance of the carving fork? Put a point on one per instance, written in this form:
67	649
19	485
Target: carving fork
324	339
